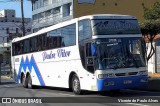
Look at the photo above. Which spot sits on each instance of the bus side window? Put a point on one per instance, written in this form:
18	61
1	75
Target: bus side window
33	44
39	42
84	29
17	48
44	41
13	49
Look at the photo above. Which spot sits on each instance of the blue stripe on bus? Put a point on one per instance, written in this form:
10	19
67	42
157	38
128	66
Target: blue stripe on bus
119	83
30	64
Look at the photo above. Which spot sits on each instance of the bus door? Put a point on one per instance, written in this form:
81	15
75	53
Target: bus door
90	52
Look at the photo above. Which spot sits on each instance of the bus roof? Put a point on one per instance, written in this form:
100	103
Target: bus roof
95	16
107	16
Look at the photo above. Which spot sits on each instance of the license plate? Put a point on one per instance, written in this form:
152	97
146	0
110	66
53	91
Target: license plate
127	81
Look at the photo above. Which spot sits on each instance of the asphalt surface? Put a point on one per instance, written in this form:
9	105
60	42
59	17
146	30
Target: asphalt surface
64	97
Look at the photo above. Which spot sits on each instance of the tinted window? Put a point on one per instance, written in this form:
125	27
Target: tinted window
26	47
84	29
61	37
115	26
33	44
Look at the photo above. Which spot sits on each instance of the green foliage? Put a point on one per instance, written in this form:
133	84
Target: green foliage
1	54
152	13
150	27
6	54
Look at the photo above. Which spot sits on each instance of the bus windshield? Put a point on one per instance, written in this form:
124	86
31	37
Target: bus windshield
119	53
115	26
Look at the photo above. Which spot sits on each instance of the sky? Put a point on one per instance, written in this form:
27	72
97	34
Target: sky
16	6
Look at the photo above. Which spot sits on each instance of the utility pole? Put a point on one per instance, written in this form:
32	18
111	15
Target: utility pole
22	13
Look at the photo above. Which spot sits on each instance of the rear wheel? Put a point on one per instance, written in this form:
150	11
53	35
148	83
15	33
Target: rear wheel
76	85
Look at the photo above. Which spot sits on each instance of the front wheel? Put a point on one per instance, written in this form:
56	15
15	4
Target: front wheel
76	88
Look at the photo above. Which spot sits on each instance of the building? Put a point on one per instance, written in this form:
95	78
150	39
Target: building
10	27
49	12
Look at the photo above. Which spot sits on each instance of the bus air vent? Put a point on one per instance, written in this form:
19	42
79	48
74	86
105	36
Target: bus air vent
132	73
120	74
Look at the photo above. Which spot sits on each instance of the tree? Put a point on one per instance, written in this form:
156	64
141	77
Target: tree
150	27
6	56
152	13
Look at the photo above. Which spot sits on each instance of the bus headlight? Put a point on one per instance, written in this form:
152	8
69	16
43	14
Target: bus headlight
143	73
102	76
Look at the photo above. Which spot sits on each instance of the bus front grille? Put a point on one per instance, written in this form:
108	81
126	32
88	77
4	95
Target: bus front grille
120	74
132	73
126	74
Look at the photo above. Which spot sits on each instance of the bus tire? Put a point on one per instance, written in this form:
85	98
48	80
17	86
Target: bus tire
24	81
29	82
76	88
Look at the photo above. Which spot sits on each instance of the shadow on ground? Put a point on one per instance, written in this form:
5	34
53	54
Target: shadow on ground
153	85
6	83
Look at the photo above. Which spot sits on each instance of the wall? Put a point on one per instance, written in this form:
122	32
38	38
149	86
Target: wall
127	7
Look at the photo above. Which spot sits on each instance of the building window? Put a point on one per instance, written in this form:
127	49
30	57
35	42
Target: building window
41	17
7	30
66	9
45	2
48	15
35	5
16	30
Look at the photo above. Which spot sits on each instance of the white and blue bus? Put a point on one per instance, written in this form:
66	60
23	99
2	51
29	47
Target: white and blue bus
96	53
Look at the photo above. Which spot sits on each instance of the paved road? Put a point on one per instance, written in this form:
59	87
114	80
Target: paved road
10	89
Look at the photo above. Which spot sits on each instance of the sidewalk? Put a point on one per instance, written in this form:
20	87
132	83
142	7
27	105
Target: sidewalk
6	80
